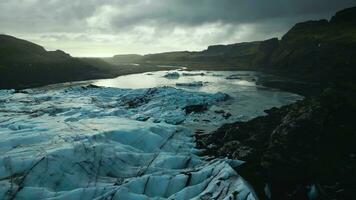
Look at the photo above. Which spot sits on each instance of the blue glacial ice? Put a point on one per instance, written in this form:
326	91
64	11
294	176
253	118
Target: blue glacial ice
109	143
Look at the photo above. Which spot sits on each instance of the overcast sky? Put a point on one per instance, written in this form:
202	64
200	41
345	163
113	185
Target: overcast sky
108	27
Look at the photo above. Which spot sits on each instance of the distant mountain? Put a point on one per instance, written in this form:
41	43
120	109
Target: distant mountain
240	54
319	51
25	64
313	50
125	58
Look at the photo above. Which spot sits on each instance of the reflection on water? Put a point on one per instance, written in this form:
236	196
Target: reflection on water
248	99
213	81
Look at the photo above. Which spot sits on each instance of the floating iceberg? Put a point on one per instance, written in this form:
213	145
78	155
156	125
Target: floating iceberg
246	77
91	143
193	74
172	75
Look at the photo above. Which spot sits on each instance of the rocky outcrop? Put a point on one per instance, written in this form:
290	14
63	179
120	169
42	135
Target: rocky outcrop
319	51
238	49
305	150
298	150
265	51
345	16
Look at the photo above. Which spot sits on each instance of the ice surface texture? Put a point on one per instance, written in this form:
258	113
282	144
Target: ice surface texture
105	143
192	84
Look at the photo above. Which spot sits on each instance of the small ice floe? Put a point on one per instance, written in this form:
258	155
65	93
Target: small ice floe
192	84
225	115
245	77
134	64
172	75
193	74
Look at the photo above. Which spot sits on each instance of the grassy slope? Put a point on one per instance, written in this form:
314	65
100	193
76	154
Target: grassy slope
24	64
318	50
236	55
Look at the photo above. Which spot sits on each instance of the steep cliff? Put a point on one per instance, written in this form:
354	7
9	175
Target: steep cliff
318	50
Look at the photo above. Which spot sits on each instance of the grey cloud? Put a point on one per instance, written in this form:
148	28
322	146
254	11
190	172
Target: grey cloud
157	25
188	12
70	15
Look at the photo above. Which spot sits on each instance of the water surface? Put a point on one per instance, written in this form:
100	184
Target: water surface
248	99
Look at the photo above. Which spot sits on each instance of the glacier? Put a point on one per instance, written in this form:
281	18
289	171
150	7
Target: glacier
88	142
132	137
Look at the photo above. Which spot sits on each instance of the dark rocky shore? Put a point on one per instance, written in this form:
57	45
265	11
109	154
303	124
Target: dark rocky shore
301	151
306	150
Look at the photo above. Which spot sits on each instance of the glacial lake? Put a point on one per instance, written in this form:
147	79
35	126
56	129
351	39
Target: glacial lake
248	98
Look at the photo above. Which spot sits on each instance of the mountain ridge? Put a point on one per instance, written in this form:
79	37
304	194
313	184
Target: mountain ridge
315	50
312	50
26	64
